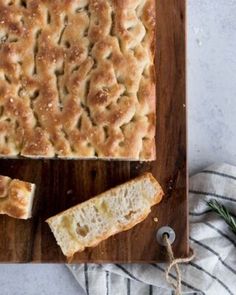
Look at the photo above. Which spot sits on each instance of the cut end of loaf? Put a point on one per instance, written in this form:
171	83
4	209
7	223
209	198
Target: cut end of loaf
111	212
16	197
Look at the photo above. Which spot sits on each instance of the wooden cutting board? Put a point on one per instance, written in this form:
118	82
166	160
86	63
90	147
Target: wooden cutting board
62	184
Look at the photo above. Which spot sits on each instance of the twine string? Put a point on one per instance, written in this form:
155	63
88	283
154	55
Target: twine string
174	263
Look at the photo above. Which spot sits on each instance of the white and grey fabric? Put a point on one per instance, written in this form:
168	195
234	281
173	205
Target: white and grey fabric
212	272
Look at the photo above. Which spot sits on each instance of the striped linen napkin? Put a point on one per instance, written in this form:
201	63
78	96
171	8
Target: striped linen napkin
214	269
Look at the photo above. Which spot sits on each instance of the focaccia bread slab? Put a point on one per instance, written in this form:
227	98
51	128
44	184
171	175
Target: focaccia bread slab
16	197
111	212
77	79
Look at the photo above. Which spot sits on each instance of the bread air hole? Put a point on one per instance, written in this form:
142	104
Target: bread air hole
34	95
1	110
7	78
106	132
23	3
104	206
6	139
81	9
82	230
130	215
95	208
48	17
3	38
67	44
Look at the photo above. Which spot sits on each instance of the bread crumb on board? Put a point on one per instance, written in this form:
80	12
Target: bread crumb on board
155	219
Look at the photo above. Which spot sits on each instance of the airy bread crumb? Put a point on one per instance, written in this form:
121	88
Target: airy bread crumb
111	212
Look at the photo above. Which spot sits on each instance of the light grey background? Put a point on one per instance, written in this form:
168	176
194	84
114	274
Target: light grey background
211	82
212	126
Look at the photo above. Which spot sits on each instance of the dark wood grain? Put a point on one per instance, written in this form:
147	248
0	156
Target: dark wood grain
61	184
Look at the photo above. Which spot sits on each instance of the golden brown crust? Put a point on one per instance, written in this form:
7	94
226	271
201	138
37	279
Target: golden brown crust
76	78
16	197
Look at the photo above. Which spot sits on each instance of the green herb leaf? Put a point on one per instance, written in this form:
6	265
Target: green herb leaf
222	211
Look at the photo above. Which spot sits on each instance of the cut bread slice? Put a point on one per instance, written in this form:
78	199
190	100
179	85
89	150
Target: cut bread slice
16	197
111	212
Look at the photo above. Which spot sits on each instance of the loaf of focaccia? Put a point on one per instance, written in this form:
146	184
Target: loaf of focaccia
77	79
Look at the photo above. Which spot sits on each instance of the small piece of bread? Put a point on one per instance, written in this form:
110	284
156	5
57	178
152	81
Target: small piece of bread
111	212
16	197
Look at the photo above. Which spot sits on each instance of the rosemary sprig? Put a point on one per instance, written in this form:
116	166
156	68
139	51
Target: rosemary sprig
224	213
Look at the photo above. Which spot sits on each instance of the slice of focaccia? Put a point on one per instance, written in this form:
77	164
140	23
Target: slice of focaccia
16	197
111	212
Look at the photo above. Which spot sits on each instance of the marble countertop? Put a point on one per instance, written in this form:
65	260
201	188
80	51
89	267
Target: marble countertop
211	128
